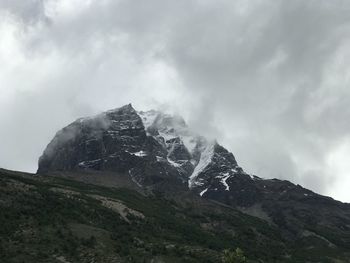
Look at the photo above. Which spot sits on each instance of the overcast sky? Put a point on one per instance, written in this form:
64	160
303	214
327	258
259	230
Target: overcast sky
269	79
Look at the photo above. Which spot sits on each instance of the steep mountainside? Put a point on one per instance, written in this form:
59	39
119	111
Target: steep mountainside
50	219
158	152
57	220
151	147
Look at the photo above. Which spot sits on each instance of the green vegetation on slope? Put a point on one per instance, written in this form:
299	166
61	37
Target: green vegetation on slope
48	219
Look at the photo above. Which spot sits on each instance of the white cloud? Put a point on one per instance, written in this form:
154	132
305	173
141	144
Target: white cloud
339	170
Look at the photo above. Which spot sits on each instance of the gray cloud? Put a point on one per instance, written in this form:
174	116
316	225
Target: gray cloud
269	79
27	12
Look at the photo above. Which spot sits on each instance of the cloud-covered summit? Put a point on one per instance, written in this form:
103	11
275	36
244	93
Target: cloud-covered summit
269	79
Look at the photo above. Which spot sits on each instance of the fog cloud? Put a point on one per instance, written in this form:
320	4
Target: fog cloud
269	79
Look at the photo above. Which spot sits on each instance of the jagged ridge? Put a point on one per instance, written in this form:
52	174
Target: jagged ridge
124	140
157	150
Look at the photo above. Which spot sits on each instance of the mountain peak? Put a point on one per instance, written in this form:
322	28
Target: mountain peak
153	150
125	108
126	141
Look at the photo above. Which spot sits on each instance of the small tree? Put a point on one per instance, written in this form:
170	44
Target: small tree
233	256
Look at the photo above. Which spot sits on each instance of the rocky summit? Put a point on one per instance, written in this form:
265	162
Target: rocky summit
151	147
159	151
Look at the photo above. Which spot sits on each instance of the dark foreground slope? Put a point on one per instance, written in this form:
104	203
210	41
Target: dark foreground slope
52	219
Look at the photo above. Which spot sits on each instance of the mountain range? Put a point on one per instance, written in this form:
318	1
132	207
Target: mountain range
158	158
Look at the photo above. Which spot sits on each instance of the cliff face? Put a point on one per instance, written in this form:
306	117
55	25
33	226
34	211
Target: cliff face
112	141
159	151
149	146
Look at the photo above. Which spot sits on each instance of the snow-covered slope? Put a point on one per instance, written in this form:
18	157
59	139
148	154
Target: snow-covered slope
150	146
186	151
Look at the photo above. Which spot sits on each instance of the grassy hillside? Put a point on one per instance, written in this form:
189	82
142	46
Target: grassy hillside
50	219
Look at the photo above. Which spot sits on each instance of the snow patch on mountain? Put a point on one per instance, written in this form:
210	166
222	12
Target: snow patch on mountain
169	127
203	192
224	178
139	154
173	132
89	163
204	161
175	164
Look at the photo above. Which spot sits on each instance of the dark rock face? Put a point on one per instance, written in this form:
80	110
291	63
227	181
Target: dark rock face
112	141
155	149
